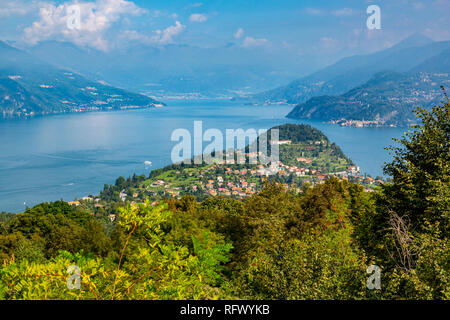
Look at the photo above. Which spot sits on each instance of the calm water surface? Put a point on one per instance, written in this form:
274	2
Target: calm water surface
74	155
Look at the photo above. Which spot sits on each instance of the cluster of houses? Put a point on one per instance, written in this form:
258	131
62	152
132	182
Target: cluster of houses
357	123
244	182
239	183
167	187
241	188
88	199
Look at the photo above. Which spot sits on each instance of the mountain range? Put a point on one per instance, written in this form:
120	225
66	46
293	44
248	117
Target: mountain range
30	86
410	54
388	98
177	69
382	87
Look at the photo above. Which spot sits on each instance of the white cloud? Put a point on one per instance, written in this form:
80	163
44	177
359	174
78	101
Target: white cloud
166	36
329	43
252	42
344	12
198	17
314	12
96	18
16	8
157	13
195	5
159	37
239	33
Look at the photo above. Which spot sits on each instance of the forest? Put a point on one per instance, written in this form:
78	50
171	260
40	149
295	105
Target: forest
276	244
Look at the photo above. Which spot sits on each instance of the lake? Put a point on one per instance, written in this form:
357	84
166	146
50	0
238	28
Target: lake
74	155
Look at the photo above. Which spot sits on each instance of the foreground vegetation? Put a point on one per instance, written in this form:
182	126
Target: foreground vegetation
276	244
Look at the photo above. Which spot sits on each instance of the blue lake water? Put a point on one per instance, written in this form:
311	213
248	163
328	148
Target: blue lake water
74	155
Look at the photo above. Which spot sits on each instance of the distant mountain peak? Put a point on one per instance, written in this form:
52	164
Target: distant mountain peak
416	39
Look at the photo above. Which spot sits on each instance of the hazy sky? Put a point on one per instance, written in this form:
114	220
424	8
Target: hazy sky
301	27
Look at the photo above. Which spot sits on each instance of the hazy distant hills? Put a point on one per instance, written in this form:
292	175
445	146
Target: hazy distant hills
416	51
53	77
383	87
436	64
388	98
178	69
29	86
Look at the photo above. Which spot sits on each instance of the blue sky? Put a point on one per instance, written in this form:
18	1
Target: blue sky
328	28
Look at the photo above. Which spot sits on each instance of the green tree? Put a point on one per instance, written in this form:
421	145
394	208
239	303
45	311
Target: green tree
421	171
148	267
57	226
408	233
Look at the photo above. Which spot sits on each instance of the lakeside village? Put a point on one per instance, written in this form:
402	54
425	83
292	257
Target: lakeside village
227	180
360	123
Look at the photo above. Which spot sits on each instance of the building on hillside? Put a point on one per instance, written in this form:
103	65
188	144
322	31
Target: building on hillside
302	159
280	142
353	170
